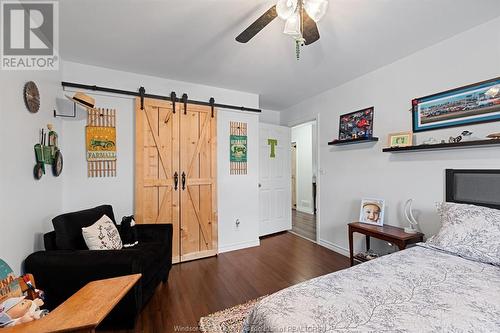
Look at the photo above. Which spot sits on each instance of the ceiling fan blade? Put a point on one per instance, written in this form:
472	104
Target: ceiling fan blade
258	25
310	33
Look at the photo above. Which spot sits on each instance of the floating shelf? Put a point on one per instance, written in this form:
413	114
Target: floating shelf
442	146
351	141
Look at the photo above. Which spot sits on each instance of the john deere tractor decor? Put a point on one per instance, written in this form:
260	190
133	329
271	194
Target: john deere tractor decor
238	148
47	152
101	142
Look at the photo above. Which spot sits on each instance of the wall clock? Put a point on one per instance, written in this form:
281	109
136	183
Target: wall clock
31	97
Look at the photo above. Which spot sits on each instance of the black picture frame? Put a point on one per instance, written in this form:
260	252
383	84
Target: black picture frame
474	110
367	133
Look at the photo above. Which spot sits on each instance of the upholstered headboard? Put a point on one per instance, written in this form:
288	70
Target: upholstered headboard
473	186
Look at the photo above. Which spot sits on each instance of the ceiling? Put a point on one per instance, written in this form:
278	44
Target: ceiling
193	40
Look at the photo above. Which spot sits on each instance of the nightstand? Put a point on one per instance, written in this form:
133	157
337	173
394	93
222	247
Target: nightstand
387	233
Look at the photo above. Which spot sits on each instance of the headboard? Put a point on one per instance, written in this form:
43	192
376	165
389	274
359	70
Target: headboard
476	187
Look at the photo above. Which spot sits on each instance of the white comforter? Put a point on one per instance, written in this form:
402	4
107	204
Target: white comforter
416	290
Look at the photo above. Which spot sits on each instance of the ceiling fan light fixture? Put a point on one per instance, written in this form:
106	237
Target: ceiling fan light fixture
316	9
286	8
292	26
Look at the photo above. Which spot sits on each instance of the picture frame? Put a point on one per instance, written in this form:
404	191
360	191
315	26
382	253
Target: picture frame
372	211
400	139
357	124
470	104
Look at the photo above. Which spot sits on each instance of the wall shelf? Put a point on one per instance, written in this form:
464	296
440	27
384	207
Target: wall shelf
443	146
351	141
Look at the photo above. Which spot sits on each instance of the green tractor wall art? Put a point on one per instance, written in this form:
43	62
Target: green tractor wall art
47	152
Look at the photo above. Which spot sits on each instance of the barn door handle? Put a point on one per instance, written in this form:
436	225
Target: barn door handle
183	181
176	180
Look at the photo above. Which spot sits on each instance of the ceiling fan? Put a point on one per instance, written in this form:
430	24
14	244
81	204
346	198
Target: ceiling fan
300	18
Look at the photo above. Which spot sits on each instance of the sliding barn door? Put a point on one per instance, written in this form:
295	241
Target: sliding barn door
198	165
176	174
157	167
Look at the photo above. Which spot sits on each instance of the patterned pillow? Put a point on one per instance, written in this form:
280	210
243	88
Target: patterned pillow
102	235
472	232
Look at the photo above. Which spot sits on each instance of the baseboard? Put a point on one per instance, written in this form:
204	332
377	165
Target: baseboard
334	247
238	246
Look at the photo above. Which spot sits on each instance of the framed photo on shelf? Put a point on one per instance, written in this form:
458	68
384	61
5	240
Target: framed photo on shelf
357	124
372	211
400	139
471	104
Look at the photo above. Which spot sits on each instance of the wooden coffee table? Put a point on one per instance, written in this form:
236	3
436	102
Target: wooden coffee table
387	233
83	311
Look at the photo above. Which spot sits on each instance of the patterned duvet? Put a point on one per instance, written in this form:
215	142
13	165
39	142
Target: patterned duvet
416	290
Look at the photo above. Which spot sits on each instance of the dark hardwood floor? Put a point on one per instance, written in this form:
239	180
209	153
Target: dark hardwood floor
201	287
304	224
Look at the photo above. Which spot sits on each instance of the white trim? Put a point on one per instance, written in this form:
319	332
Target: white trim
238	246
334	247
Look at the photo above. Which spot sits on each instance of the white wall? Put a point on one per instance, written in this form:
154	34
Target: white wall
302	135
27	206
270	117
352	172
82	192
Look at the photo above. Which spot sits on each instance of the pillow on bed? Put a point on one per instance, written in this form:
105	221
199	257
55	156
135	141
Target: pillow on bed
472	232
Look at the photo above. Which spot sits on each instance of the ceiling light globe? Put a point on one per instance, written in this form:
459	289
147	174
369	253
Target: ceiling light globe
292	26
316	9
286	8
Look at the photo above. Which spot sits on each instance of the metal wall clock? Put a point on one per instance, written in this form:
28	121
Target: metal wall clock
31	97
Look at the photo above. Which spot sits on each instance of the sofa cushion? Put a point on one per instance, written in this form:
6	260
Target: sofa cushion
68	227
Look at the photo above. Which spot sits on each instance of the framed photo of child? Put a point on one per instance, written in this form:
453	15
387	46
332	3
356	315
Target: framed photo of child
372	211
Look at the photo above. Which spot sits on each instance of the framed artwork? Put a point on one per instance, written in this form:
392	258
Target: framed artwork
472	104
401	139
357	124
372	211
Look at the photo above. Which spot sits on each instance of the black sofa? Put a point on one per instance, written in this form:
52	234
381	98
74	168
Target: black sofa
67	265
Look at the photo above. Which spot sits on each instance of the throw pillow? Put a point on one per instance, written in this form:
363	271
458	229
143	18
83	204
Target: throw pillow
102	235
469	231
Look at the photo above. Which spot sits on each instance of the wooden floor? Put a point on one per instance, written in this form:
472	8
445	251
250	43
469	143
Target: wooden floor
304	224
201	287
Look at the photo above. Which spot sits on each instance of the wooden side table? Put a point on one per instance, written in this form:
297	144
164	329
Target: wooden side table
84	311
387	233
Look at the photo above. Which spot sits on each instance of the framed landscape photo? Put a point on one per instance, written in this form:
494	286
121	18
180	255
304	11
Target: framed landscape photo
401	139
475	103
372	211
357	124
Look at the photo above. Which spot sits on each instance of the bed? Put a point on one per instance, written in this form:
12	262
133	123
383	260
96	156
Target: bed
451	283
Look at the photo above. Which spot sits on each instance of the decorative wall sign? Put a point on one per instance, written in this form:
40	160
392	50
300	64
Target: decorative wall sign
475	103
238	148
273	143
101	142
47	153
357	124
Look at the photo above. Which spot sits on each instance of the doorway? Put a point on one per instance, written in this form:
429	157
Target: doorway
303	180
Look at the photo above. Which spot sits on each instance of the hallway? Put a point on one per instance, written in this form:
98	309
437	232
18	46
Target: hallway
304	224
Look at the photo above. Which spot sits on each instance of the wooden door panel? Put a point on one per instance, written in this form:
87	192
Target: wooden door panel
198	162
157	159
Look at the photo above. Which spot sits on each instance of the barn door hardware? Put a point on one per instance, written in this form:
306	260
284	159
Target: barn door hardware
173	98
183	180
142	94
185	101
176	180
212	104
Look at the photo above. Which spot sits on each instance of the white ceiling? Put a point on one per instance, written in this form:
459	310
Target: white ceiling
193	40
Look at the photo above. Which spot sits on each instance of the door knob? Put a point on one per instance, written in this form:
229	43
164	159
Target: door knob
260	185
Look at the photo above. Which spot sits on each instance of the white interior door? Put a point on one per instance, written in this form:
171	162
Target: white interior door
275	179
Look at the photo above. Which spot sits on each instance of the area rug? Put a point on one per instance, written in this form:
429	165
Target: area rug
229	320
